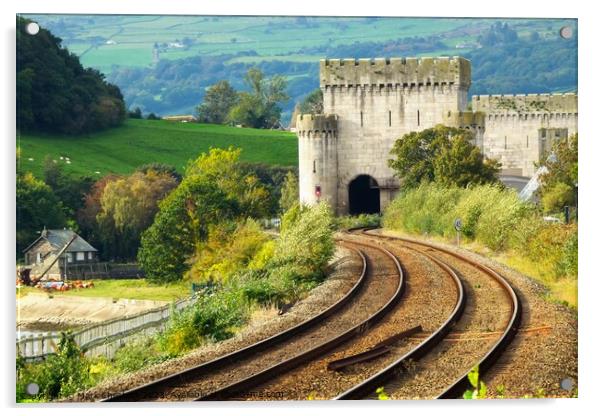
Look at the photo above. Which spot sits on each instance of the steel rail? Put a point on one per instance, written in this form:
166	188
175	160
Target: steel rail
148	389
288	364
460	385
370	385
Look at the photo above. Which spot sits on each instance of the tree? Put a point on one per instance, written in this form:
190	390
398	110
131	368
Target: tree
441	154
214	189
259	108
37	207
558	187
217	103
127	207
55	93
313	102
289	195
70	190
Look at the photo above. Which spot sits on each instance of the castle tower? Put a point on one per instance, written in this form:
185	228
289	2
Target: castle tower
318	161
376	102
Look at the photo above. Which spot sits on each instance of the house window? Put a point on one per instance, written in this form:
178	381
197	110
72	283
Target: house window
70	257
38	257
80	256
90	255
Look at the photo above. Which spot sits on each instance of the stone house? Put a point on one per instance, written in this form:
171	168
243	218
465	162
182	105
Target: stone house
44	250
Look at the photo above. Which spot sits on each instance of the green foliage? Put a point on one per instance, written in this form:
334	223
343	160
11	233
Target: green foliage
213	190
313	103
55	93
70	190
229	247
217	103
127	207
491	215
479	389
362	220
441	154
138	354
306	238
289	194
214	317
181	223
59	375
37	207
259	108
559	185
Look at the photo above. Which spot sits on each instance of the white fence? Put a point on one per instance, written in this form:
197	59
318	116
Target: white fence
104	337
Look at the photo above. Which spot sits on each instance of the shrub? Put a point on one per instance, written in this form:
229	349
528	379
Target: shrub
306	237
213	317
362	220
59	375
138	354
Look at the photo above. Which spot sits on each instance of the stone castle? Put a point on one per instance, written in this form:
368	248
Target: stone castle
368	104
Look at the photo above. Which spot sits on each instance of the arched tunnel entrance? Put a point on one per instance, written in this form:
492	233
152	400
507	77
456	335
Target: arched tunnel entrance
364	195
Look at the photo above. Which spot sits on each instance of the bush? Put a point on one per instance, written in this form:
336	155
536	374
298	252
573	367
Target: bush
492	215
139	354
59	375
362	220
213	317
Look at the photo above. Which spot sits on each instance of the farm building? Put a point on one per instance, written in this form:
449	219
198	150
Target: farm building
72	250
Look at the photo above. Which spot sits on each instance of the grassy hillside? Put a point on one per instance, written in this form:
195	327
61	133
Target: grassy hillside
122	149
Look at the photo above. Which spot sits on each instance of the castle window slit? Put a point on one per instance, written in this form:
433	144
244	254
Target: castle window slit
389	118
418	117
361	119
314	166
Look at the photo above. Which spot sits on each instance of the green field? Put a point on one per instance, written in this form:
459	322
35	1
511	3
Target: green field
137	142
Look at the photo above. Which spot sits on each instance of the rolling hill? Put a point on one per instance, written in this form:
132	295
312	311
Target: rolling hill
122	149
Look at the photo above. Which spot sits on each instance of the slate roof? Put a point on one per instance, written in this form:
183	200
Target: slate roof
58	239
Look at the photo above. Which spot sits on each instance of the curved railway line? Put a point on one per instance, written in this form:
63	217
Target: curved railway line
473	329
379	287
431	370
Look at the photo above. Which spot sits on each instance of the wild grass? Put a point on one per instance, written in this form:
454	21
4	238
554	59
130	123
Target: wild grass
496	223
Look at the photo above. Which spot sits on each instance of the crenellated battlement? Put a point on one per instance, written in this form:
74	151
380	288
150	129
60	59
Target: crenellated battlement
525	103
465	119
317	125
395	72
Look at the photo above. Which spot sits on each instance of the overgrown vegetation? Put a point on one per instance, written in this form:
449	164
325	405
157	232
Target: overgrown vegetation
495	218
559	184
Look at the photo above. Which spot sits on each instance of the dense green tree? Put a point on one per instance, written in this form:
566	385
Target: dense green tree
161	168
37	207
217	103
441	154
55	93
69	189
259	107
214	189
559	185
127	207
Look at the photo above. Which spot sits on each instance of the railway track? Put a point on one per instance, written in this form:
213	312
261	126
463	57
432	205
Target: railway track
485	317
377	290
440	369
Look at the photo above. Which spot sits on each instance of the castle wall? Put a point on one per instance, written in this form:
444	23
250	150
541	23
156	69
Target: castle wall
379	101
520	129
371	103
